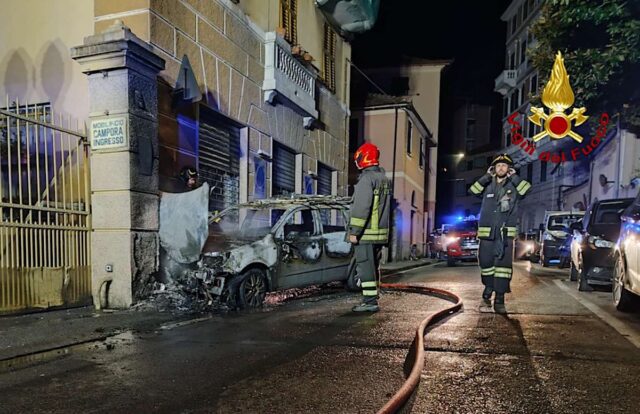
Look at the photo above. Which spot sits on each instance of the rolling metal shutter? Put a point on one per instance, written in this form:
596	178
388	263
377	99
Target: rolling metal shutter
324	179
219	164
284	170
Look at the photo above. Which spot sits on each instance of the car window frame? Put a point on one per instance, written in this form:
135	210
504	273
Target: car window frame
345	217
278	228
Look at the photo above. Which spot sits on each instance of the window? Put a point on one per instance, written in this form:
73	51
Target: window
525	10
325	179
284	170
543	172
461	188
505	106
530	172
289	20
512	60
218	160
413	199
329	67
469	165
471	128
334	229
523	51
533	87
409	137
479	163
489	160
422	152
513	25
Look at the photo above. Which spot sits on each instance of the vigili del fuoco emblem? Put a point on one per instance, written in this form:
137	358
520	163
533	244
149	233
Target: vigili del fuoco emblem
558	97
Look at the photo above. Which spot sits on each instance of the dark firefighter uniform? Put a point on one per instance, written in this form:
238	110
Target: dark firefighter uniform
370	210
497	228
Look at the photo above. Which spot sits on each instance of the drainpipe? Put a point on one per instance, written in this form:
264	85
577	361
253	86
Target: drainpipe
392	224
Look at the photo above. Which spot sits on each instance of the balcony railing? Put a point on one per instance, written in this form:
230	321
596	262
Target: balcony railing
285	76
505	81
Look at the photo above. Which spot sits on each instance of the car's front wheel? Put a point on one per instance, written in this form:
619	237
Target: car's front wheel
253	288
622	298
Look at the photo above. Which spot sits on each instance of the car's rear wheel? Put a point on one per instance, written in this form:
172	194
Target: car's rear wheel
622	298
573	276
253	288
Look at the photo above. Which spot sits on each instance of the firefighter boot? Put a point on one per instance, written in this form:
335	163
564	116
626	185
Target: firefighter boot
366	307
486	295
498	304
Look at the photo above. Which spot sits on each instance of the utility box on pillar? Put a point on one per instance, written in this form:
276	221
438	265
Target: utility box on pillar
123	132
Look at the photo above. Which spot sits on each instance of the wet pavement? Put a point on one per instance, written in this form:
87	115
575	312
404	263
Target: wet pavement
552	354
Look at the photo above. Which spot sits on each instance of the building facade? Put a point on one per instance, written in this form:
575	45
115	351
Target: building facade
518	83
420	80
470	149
393	123
253	94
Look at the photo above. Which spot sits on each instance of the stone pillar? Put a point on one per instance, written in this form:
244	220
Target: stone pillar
123	131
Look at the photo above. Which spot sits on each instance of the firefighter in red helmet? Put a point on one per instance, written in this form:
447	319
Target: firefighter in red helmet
369	223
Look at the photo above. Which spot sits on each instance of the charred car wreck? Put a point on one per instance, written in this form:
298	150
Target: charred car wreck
275	244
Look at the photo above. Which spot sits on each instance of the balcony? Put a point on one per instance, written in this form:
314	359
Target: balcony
505	81
286	77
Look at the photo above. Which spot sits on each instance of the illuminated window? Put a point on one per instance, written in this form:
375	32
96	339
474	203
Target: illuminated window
289	20
329	66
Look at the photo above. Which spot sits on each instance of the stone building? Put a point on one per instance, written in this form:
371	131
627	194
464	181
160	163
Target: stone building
252	93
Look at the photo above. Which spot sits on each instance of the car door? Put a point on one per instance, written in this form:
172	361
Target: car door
337	250
300	249
630	240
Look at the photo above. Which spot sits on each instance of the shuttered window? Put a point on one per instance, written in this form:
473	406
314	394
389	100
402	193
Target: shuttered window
219	163
324	179
284	170
329	64
289	20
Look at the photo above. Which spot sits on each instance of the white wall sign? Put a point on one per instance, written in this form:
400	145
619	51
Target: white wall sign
109	133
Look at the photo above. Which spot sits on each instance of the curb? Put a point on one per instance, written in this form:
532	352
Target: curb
387	272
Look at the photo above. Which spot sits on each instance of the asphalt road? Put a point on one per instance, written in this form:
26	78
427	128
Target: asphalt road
558	351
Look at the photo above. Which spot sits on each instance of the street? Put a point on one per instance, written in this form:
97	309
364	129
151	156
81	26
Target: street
551	354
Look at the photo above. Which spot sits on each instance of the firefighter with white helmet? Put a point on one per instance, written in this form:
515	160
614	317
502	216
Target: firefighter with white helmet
501	189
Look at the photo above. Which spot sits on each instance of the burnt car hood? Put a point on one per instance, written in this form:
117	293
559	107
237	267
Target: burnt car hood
238	255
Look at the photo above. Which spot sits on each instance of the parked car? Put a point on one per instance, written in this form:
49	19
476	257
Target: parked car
555	230
461	242
626	271
527	245
592	250
267	245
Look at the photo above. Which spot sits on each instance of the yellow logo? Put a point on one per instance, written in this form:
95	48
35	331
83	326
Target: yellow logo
558	96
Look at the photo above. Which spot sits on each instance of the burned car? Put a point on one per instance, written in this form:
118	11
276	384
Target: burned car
273	244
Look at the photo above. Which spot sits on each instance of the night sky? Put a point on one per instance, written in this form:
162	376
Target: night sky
469	32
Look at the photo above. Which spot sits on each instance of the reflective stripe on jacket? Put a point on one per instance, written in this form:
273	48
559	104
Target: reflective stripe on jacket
371	207
495	221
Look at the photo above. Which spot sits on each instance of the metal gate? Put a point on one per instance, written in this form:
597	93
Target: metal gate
45	216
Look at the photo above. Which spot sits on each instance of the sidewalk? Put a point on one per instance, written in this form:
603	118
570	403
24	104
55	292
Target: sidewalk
25	335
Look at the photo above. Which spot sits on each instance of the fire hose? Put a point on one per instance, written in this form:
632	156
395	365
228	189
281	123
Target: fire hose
416	350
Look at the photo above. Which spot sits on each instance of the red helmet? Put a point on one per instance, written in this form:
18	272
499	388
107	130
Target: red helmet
367	155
